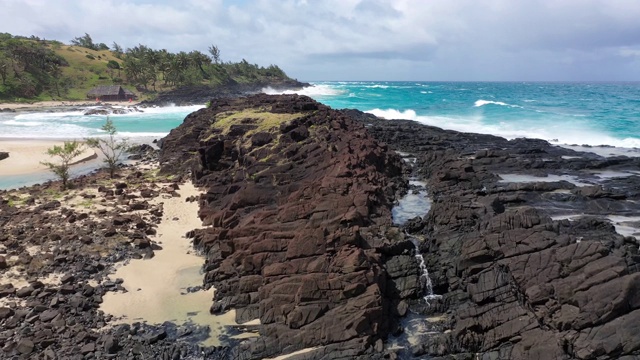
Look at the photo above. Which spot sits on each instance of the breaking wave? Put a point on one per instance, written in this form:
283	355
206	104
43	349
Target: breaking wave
481	102
559	133
314	90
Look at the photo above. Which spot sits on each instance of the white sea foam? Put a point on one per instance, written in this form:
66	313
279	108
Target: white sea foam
560	133
377	86
481	102
46	131
314	90
172	109
47	115
150	121
22	123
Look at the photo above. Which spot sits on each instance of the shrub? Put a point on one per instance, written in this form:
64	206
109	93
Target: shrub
110	147
65	154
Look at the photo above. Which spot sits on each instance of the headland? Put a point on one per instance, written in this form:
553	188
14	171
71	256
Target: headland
532	248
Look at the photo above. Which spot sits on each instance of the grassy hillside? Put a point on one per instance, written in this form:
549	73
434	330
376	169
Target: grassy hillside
87	69
32	69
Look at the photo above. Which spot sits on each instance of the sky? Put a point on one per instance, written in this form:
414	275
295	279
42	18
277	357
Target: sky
314	40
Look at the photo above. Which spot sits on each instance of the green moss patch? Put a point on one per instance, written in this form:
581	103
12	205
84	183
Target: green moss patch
264	120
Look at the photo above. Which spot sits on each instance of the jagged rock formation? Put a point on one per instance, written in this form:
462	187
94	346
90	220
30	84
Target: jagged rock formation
517	283
299	230
201	94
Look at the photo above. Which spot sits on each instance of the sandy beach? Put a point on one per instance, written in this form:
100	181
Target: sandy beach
157	287
25	156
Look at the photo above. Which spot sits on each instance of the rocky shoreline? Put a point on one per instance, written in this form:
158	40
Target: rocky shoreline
57	253
520	243
195	95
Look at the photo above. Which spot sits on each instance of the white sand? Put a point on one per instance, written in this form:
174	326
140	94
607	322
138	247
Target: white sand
156	287
25	156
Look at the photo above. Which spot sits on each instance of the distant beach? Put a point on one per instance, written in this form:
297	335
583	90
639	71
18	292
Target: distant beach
29	130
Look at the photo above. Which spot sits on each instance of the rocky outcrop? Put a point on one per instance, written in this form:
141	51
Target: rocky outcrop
519	279
109	110
195	95
3	155
299	237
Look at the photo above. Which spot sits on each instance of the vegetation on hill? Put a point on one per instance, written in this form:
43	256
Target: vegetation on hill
35	69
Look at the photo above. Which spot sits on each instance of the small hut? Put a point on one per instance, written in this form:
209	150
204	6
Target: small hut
111	93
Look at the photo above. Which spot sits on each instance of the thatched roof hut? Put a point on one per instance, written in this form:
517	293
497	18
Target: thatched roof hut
111	93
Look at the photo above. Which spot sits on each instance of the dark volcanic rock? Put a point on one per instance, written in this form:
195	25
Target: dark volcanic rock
189	95
518	284
3	155
297	205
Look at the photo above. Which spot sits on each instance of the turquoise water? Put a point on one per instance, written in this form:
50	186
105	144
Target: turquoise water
73	124
566	113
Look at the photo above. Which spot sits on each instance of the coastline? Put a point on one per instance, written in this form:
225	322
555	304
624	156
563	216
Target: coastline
514	187
59	103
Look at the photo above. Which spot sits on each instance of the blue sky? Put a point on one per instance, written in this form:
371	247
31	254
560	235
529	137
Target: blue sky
472	40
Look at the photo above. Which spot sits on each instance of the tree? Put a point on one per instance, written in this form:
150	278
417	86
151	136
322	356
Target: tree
5	65
110	147
117	50
113	65
215	53
65	155
84	41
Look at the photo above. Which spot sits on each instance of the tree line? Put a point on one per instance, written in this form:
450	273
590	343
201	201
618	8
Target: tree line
147	68
30	66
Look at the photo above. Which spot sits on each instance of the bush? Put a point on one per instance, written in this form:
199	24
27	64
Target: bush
111	148
65	154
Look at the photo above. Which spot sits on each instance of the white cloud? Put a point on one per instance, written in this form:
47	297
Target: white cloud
365	39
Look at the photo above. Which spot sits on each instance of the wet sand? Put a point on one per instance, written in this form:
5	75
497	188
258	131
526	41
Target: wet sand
157	287
25	156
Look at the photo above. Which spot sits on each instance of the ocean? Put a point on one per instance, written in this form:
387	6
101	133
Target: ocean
590	114
564	113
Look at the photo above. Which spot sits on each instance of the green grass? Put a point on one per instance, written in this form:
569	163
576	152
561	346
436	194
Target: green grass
85	73
53	193
87	203
263	119
155	176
